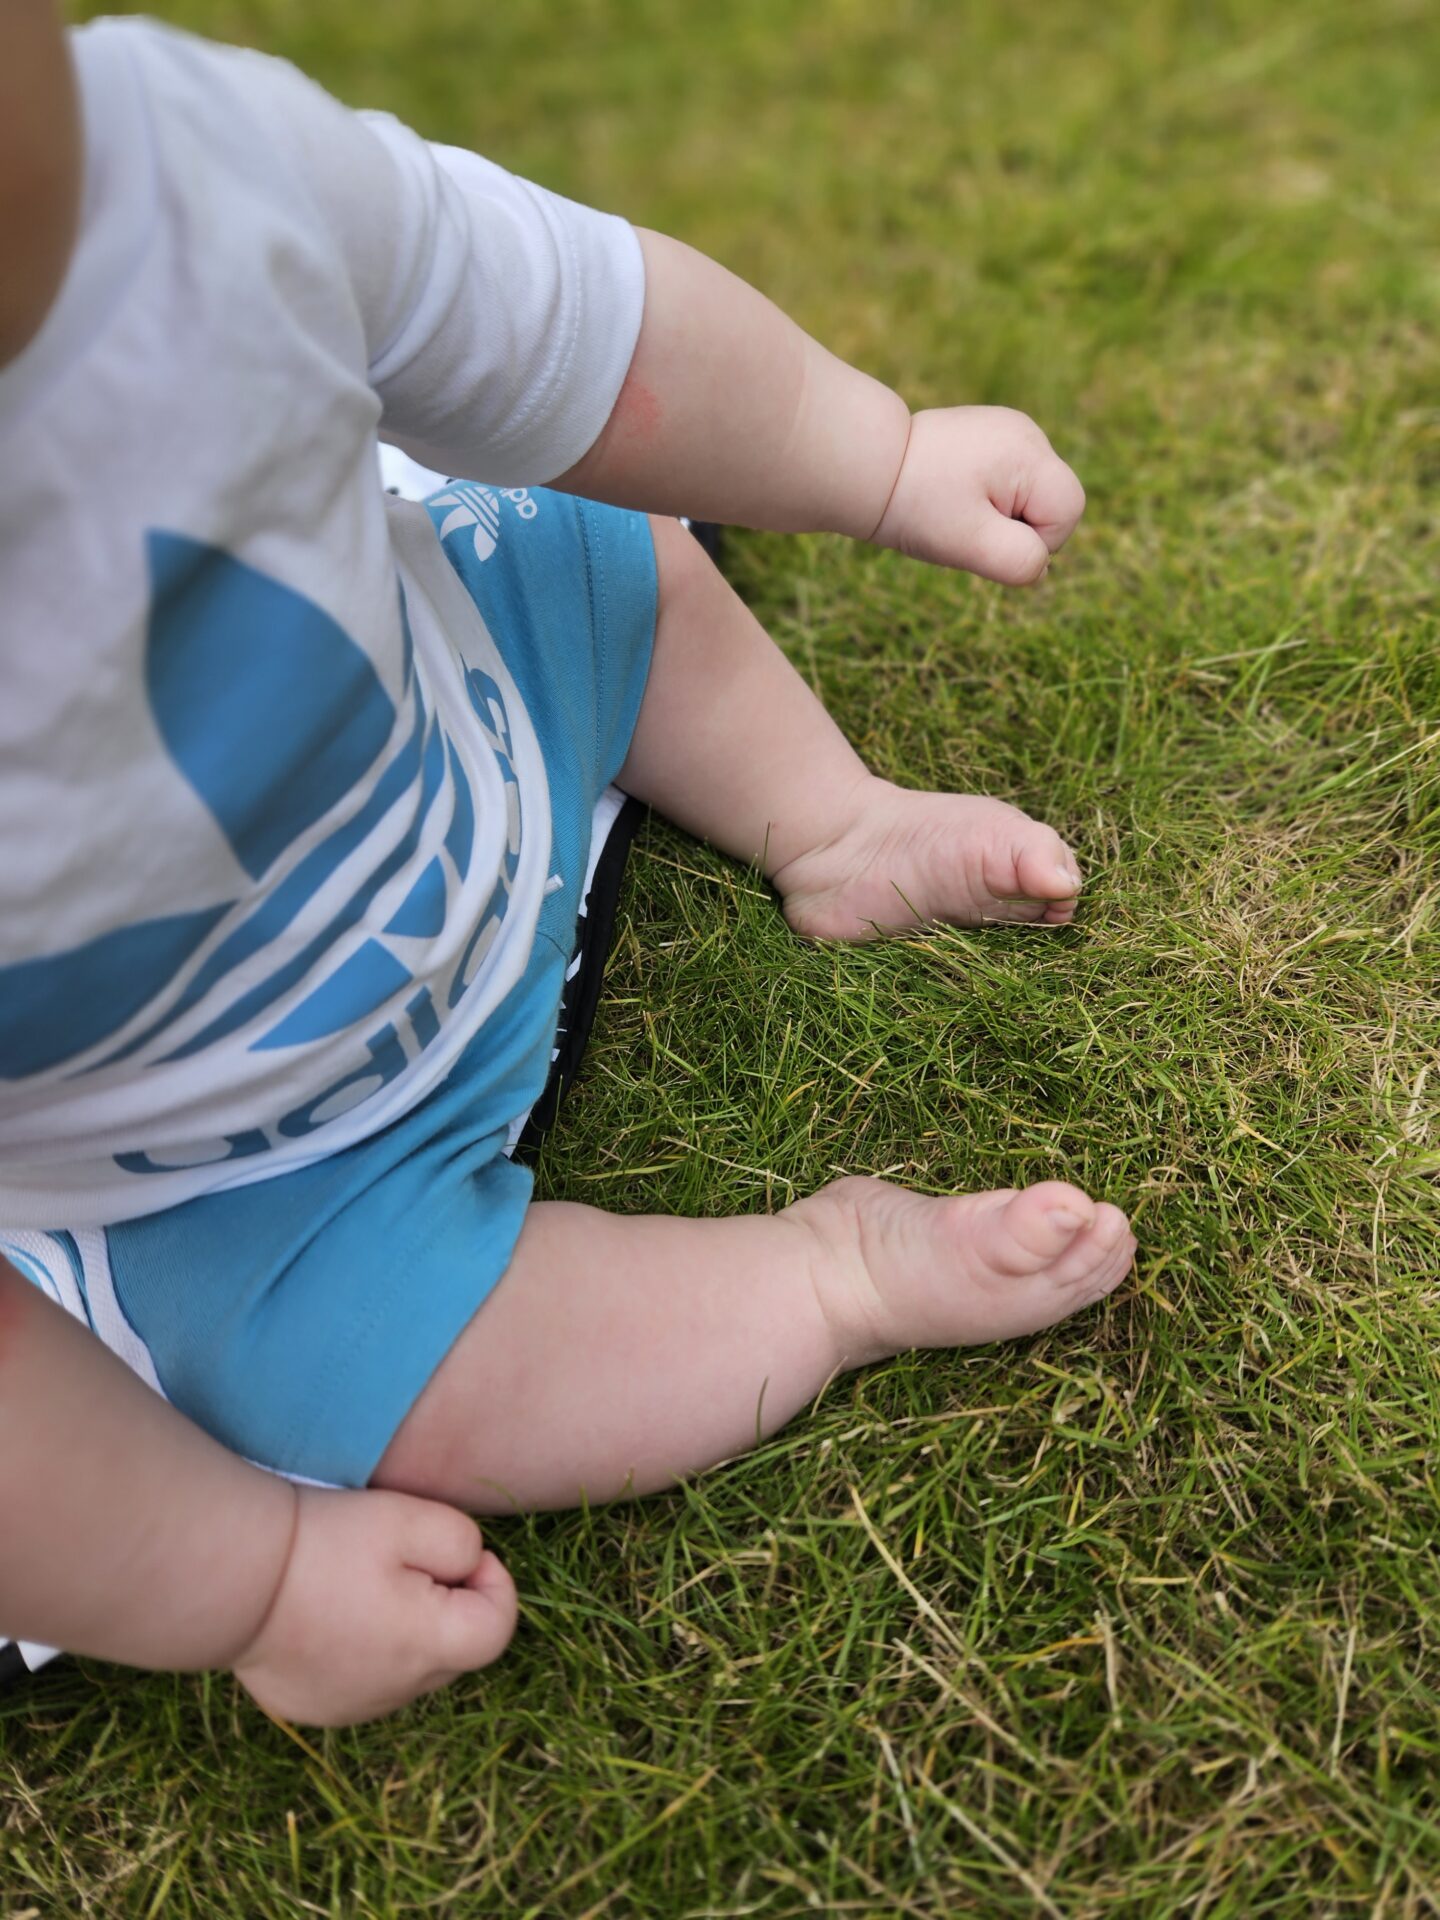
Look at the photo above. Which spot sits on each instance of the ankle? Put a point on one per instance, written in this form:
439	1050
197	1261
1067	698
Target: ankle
851	1303
828	853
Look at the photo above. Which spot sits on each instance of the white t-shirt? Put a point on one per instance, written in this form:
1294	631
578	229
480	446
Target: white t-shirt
274	827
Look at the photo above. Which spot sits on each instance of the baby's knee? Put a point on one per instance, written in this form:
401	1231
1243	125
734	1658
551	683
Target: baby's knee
681	563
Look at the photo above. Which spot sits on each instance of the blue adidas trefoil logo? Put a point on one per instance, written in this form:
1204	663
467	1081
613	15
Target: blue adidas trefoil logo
277	721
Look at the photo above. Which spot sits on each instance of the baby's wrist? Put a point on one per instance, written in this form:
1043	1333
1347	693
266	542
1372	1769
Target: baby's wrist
269	1532
854	435
879	530
882	430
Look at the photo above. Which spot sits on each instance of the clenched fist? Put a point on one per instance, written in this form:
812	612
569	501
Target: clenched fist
384	1597
981	488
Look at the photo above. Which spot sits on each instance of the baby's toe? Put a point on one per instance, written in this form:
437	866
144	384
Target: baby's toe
1091	1255
1037	1227
1045	867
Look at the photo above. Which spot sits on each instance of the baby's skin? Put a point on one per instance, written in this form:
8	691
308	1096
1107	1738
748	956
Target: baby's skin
619	1353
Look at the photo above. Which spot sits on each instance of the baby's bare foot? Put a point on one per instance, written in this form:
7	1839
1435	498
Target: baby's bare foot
899	1269
906	858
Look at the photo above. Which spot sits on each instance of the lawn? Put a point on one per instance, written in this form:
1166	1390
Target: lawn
1142	1617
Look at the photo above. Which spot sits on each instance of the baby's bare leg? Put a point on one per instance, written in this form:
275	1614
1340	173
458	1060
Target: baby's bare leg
734	746
620	1353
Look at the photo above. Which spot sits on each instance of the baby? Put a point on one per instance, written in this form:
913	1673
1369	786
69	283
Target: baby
298	787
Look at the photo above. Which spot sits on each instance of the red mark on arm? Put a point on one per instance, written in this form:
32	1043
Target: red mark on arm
638	411
606	472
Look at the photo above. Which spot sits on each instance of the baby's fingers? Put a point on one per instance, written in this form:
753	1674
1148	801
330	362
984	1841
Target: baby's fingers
1054	502
1006	550
472	1625
436	1539
468	1597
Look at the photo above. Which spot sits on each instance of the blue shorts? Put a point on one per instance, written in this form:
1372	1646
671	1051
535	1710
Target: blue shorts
299	1319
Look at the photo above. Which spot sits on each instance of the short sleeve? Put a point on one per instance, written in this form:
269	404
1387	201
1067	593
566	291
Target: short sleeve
500	319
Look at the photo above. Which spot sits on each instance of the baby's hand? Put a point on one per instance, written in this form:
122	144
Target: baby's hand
982	488
384	1597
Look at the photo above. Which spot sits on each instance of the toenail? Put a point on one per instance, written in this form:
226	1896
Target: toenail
1064	1219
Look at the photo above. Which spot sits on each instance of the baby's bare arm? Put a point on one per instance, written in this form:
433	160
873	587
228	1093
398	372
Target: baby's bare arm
731	412
130	1534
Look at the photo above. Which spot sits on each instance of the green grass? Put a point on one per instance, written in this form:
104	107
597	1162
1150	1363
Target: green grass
1140	1618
